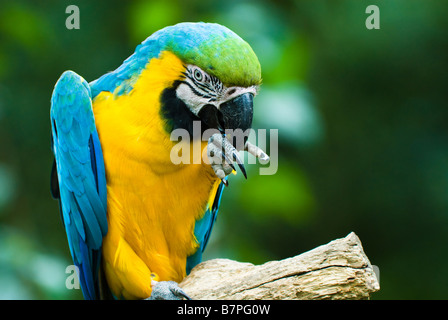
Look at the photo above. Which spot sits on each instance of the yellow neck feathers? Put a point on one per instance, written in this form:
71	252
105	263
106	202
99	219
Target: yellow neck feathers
152	203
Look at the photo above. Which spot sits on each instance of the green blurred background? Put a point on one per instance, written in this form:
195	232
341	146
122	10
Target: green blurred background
362	118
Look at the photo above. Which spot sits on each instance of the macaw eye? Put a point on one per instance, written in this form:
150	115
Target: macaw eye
197	75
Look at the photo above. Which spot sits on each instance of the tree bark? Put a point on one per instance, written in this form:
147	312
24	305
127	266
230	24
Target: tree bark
337	270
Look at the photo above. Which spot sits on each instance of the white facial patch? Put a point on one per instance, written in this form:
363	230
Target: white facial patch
199	89
193	101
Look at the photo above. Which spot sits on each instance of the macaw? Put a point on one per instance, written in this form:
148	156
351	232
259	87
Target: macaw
136	222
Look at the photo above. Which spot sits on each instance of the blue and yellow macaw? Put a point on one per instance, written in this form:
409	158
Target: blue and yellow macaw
136	222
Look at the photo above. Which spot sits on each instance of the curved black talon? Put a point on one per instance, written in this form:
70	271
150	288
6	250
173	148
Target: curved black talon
239	162
167	290
229	162
178	292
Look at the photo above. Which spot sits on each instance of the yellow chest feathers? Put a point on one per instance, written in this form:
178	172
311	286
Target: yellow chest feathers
152	203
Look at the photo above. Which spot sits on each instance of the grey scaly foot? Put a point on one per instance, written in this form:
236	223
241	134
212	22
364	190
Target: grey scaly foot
167	290
223	156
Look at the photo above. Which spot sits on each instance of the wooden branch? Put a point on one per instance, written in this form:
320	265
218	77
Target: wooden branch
337	270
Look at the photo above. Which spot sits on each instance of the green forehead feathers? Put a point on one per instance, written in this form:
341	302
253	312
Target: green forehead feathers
215	49
210	46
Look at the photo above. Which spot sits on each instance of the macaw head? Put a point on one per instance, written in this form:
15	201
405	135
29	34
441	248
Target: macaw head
221	76
218	80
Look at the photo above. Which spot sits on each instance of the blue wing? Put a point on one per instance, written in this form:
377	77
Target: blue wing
203	229
79	179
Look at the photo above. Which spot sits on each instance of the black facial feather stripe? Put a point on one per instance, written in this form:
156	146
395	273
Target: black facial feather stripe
212	85
192	82
176	113
195	91
206	88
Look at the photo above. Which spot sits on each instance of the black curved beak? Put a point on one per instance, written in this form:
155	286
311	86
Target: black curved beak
236	115
238	112
233	114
